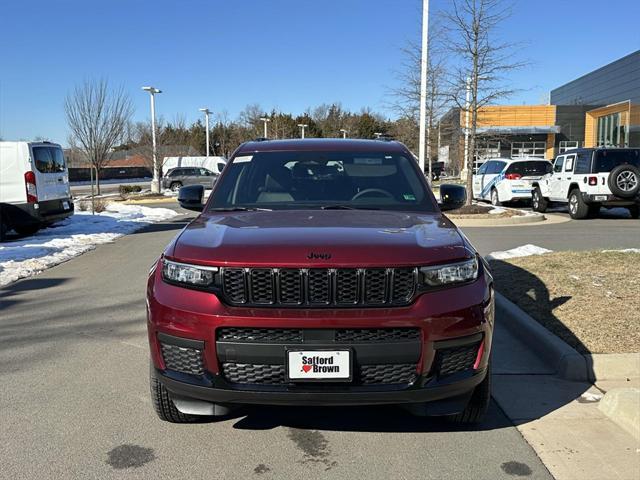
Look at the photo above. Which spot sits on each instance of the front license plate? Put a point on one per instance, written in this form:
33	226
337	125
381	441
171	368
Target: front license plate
65	205
319	365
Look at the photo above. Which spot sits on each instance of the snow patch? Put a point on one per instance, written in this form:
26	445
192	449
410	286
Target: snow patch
497	211
72	237
523	251
625	250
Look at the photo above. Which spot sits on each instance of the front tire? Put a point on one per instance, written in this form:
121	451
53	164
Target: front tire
175	186
495	198
163	405
478	405
577	208
538	202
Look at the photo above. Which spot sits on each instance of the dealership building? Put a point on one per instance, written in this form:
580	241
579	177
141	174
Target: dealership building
601	108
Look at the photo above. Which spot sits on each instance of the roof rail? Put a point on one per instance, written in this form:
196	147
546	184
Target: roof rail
260	139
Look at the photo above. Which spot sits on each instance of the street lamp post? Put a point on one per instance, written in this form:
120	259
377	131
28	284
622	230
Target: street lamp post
302	127
344	132
206	126
155	182
265	120
423	84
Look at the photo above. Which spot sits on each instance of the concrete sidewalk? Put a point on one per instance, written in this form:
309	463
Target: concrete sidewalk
559	418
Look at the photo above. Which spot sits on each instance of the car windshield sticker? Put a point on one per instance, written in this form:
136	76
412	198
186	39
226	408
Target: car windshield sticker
243	159
409	196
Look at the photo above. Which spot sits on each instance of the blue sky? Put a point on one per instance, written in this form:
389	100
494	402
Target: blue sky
284	54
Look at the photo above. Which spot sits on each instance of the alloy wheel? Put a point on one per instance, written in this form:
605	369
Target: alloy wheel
626	180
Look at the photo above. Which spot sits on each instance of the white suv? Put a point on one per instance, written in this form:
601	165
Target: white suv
589	178
504	180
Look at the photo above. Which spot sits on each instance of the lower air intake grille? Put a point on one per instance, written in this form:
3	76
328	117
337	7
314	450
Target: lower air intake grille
182	359
249	373
456	359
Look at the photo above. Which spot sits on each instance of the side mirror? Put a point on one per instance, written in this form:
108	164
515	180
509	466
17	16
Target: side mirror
191	197
452	197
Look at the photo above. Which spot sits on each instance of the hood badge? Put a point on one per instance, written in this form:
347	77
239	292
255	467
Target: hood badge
319	256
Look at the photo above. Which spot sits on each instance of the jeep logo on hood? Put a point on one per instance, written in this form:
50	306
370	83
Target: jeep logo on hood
319	256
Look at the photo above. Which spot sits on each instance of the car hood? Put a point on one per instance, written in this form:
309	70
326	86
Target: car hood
301	238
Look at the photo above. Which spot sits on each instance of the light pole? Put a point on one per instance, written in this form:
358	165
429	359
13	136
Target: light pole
155	183
206	126
465	167
302	127
344	132
423	83
265	120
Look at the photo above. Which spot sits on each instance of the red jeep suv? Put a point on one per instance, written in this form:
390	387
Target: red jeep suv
320	272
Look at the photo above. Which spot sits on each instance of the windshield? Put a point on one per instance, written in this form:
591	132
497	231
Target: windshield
48	159
534	168
290	180
607	160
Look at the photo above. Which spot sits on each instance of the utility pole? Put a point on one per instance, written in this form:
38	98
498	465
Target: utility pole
467	105
302	127
206	126
423	83
155	183
265	120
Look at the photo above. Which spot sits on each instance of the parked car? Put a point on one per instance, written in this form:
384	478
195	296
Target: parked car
34	186
587	179
178	177
320	272
502	180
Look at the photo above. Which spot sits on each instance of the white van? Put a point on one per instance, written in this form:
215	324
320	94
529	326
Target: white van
34	186
214	164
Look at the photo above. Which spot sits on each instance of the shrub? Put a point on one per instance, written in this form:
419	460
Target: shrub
82	206
126	189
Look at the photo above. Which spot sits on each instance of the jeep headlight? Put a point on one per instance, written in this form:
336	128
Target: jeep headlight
450	273
195	275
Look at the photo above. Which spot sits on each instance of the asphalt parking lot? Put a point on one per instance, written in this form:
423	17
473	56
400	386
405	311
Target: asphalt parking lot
75	403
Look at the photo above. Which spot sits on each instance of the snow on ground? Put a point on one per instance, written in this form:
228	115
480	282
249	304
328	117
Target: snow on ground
72	237
625	250
523	251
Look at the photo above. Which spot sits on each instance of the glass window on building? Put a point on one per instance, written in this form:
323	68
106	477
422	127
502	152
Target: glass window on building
488	149
528	149
567	145
611	131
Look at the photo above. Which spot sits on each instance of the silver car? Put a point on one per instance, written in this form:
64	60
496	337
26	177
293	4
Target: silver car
181	176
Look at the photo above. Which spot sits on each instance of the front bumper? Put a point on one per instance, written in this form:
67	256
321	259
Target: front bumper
456	320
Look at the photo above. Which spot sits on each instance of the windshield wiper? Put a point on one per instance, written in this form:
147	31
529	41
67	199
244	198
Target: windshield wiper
346	207
240	209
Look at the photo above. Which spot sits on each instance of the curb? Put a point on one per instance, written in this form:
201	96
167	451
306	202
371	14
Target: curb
497	222
621	406
564	359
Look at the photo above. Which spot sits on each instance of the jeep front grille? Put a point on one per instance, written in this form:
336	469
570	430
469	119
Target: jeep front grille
318	287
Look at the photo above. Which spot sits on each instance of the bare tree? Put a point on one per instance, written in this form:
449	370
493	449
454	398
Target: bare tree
479	61
97	118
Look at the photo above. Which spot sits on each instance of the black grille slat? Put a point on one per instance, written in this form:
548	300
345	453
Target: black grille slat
249	373
404	283
456	359
318	287
182	359
347	286
234	285
375	286
290	281
342	335
262	291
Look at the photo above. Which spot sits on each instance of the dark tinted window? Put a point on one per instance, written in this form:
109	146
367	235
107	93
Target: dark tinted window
48	159
483	169
290	180
175	172
607	160
495	167
533	168
583	163
220	167
557	167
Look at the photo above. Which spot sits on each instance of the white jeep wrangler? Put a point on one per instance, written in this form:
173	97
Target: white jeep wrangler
589	178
